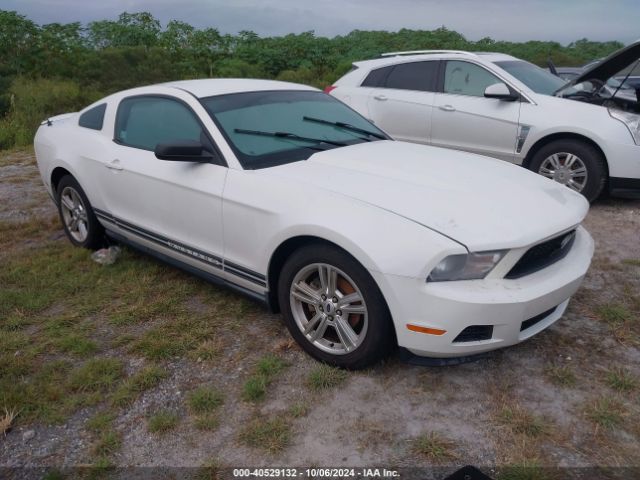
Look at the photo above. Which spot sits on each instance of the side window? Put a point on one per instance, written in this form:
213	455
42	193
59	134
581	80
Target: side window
377	77
420	76
93	118
464	78
143	122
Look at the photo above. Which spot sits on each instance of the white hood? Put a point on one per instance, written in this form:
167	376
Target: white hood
478	201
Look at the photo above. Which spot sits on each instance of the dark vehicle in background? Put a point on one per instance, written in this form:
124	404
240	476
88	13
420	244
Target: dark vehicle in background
612	82
566	73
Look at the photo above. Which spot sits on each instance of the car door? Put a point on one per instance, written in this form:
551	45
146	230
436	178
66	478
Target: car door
173	207
464	119
402	103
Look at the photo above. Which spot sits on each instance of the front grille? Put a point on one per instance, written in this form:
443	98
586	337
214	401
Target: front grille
475	333
542	255
538	318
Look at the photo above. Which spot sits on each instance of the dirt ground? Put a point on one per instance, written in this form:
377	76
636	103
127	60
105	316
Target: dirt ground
569	397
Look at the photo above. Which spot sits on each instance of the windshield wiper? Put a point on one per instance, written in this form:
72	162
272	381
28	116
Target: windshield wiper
346	126
288	135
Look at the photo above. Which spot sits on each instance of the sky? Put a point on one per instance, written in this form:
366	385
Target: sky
517	20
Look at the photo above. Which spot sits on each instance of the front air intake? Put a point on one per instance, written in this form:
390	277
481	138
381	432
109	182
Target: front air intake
475	333
538	318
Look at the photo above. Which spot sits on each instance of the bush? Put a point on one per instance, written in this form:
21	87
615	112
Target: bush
302	75
33	100
234	68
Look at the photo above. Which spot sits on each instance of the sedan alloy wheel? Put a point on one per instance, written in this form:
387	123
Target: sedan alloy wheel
565	168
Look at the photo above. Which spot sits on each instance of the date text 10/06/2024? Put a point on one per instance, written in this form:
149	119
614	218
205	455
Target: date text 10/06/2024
315	472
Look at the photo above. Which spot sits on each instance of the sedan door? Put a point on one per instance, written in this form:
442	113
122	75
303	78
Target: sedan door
174	207
464	119
402	103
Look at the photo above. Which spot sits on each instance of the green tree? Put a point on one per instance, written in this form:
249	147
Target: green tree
130	30
67	60
18	43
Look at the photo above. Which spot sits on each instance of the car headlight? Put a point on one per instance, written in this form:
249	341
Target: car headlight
471	266
631	120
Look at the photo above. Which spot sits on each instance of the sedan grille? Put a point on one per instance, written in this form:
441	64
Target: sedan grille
542	255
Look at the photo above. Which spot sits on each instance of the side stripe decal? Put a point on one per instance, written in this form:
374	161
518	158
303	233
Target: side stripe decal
240	269
204	257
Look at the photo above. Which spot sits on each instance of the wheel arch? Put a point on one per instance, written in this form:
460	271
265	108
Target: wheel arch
546	140
290	245
282	253
56	175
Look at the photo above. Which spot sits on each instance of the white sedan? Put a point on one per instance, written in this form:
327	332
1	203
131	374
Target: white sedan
284	193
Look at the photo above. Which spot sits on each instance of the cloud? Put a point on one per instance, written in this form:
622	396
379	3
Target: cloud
563	21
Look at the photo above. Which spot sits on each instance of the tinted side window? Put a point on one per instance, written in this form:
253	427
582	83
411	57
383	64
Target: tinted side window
93	118
377	77
143	122
419	76
464	78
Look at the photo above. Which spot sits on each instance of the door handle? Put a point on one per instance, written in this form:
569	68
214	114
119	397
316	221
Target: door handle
382	98
447	108
114	165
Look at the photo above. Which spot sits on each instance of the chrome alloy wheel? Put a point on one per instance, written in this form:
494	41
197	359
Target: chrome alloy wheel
565	168
329	308
74	214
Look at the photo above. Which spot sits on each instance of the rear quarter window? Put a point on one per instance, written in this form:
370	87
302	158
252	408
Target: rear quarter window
93	118
377	77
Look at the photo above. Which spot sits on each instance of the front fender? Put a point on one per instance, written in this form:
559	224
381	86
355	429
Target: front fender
380	240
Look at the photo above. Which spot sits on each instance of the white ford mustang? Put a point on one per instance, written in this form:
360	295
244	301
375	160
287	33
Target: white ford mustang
284	193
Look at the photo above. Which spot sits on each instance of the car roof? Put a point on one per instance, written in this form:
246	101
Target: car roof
208	87
405	57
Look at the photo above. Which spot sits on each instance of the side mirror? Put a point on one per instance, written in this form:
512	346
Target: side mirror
183	151
501	92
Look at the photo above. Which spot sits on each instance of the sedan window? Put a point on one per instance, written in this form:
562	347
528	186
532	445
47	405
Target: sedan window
270	128
465	78
377	77
534	77
418	76
143	122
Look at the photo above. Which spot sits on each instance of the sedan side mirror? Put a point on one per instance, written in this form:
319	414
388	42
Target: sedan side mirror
501	92
183	151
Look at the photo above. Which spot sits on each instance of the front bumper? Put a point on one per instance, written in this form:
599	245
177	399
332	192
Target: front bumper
503	304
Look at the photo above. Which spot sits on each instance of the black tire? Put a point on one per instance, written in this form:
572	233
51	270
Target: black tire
379	337
95	237
590	157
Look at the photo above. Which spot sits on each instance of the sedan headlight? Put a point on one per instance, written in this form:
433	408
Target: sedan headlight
631	120
469	266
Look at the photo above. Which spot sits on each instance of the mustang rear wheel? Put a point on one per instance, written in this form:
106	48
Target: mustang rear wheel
79	221
333	308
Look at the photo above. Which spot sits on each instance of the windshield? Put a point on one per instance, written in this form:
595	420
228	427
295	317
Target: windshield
537	79
272	128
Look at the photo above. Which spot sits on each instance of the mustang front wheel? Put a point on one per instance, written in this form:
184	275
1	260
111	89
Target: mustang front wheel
333	308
